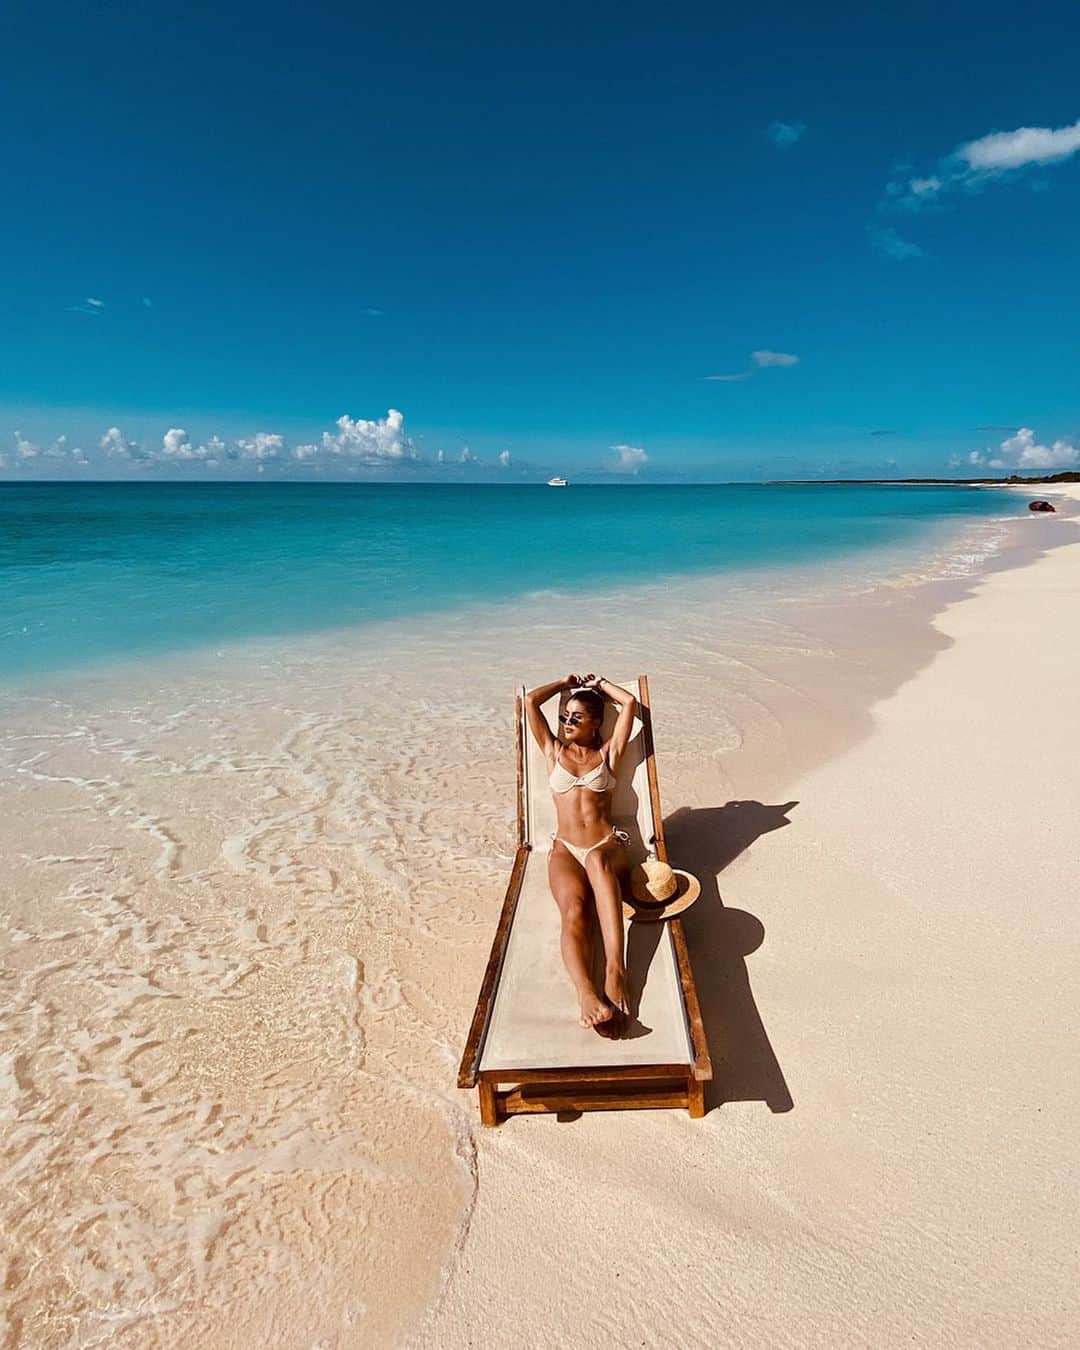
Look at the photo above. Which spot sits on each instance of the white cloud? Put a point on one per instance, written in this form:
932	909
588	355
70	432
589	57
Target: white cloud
97	304
1022	451
440	456
376	442
263	445
887	242
1002	151
630	458
26	450
355	443
973	164
466	457
115	443
504	458
785	134
760	360
175	445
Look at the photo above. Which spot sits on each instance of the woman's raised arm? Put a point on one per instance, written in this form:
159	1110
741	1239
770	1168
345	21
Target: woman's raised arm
624	725
545	739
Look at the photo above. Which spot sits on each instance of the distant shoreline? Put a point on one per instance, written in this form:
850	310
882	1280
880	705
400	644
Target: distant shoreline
1013	481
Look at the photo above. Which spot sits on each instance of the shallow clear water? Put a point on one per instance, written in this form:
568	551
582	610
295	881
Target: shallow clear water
90	572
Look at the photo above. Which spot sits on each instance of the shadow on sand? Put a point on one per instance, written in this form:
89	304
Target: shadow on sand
705	841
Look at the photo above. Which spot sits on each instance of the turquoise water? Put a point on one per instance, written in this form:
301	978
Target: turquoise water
95	571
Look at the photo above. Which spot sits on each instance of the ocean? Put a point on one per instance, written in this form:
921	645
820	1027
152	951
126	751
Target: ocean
97	572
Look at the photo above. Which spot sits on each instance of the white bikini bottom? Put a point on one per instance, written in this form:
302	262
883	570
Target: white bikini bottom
582	853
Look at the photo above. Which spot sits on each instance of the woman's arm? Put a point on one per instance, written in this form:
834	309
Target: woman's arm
624	725
537	723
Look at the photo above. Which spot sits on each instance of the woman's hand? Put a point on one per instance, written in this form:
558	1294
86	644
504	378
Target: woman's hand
590	682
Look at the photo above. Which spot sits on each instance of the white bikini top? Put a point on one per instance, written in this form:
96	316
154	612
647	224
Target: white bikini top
562	780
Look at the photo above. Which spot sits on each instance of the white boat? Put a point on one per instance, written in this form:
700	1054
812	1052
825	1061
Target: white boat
557	482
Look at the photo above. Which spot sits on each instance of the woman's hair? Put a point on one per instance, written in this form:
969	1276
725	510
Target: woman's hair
593	701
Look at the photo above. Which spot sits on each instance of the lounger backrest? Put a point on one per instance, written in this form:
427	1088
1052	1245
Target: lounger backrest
631	807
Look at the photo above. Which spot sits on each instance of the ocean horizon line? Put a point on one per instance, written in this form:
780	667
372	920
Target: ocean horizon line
486	483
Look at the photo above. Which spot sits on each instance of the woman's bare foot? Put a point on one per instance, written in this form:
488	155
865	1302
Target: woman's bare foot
613	1028
594	1009
615	990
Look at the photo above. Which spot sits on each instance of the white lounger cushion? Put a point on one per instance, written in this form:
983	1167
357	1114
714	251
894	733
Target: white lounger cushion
534	1020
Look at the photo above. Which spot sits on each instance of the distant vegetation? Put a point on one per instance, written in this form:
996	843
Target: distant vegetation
1069	476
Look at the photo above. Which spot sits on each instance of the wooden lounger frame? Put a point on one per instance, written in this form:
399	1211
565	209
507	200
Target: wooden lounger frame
585	1088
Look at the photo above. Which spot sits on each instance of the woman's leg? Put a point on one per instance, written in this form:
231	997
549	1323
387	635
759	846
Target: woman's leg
569	887
603	867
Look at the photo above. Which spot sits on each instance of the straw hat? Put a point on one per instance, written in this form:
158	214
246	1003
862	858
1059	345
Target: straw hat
658	891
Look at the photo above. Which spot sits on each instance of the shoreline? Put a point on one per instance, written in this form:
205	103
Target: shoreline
884	968
253	627
283	941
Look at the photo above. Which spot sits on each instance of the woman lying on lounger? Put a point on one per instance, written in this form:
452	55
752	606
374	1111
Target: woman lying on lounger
587	851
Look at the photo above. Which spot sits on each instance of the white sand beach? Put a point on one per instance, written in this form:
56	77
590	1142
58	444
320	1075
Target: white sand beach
240	951
889	986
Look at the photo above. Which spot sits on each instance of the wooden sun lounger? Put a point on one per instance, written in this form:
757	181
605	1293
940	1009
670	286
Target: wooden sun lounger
526	1051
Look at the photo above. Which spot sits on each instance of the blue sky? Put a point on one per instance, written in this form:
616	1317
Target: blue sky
238	237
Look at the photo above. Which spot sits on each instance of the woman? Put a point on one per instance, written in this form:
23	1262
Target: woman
587	851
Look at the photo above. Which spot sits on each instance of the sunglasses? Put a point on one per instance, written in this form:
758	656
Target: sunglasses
570	719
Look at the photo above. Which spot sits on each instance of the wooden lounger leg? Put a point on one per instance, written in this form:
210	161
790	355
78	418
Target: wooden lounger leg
489	1114
695	1097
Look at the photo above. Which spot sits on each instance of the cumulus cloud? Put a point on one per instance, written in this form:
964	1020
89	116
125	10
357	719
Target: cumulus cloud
263	445
785	134
27	450
888	243
58	451
760	360
377	442
175	445
354	442
629	459
973	164
116	445
1022	451
504	458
